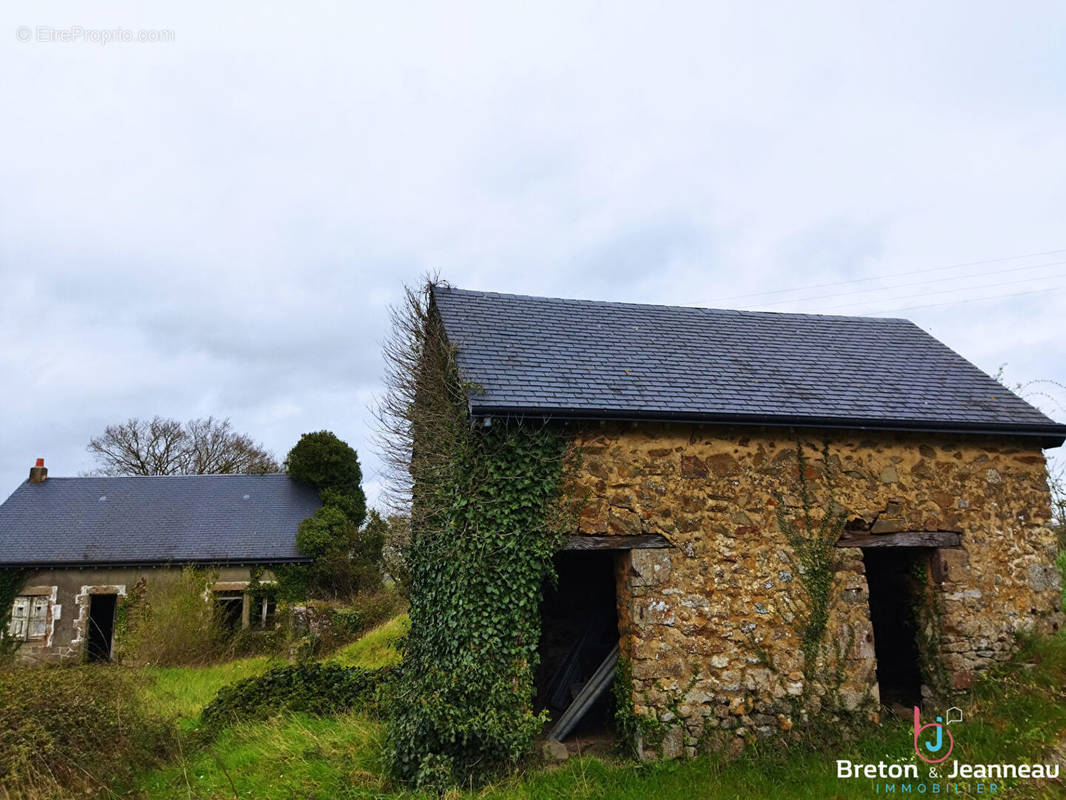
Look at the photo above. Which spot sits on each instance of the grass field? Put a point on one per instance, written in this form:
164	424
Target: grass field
1016	714
182	692
375	648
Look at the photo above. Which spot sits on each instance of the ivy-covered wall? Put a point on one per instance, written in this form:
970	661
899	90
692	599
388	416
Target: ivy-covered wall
713	627
465	709
489	505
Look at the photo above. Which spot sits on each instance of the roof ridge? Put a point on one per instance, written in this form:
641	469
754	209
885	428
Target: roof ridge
665	307
196	475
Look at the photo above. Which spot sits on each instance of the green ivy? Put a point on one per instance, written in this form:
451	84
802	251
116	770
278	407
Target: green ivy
11	583
309	688
648	729
927	614
478	563
488	503
629	726
814	548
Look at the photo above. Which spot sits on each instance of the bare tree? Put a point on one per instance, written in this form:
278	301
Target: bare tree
168	447
423	409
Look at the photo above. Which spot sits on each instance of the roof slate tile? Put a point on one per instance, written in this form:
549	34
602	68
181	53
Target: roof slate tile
592	359
164	519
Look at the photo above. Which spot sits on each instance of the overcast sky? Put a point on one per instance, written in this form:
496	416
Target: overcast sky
216	224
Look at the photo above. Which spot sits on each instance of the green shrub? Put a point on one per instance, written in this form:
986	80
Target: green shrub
322	460
11	582
73	730
377	607
348	621
345	553
316	628
311	688
1061	561
167	622
347	559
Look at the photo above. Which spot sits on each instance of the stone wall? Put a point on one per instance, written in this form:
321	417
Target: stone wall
709	625
69	592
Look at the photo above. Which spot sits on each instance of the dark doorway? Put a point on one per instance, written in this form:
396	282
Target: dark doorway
890	574
101	625
579	629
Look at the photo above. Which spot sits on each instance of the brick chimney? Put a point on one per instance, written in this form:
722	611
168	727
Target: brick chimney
39	472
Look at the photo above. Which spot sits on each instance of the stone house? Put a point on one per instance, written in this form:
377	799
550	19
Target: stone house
688	423
84	543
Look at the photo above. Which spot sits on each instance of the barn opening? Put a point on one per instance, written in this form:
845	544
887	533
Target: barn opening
579	644
890	574
101	626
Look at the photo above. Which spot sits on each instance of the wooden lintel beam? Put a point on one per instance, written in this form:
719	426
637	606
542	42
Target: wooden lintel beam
643	541
903	539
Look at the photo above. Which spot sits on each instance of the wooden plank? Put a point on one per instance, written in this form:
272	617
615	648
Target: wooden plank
559	687
643	541
903	539
596	686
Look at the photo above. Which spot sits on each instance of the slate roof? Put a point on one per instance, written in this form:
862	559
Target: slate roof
181	519
599	360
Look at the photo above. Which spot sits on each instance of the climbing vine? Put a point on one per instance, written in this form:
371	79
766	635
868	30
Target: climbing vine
628	724
813	545
487	502
636	730
927	614
11	583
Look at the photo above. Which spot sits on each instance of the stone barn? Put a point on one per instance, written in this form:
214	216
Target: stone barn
82	544
689	422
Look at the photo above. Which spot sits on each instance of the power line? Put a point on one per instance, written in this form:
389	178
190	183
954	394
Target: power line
917	283
946	291
968	300
892	275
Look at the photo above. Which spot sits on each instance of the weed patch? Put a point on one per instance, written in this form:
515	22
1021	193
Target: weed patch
309	688
73	730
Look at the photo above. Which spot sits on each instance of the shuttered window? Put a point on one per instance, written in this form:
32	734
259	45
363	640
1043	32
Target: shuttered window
29	617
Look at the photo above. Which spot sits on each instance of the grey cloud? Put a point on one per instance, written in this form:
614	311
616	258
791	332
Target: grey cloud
216	225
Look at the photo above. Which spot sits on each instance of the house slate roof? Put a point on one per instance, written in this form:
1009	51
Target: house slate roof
174	519
581	359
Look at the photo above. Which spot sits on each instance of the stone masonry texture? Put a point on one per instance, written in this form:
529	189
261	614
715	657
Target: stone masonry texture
708	623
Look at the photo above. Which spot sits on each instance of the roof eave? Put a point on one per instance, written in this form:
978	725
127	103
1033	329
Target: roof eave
142	563
1052	435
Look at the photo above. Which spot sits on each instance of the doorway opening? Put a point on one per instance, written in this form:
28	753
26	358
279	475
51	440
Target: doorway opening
101	626
890	574
579	635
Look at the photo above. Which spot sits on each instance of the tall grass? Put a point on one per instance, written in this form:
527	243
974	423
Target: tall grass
376	648
1061	562
294	756
181	692
73	731
1015	713
170	621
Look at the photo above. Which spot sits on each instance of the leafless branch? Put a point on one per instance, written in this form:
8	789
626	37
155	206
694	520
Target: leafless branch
168	447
